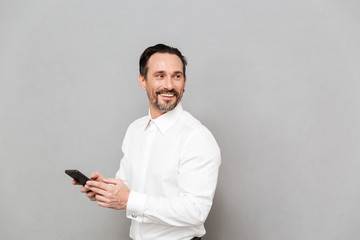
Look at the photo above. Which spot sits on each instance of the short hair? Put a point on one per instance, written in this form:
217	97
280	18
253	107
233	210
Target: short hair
159	48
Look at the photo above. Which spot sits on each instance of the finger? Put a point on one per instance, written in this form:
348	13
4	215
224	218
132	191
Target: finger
111	181
98	191
84	189
74	182
103	204
96	176
93	199
91	195
97	184
101	198
110	205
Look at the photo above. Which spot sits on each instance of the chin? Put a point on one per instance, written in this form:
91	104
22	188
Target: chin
167	107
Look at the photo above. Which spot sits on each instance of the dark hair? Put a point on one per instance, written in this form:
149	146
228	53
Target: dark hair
159	48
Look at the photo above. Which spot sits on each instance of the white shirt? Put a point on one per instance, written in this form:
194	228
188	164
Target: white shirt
170	165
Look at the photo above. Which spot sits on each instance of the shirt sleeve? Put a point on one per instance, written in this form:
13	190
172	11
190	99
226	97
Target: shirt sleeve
198	172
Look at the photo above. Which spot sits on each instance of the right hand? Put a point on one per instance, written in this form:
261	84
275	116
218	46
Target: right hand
95	176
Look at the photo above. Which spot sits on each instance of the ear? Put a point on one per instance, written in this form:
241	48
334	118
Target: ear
142	81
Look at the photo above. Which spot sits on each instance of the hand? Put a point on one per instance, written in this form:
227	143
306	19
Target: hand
111	193
95	176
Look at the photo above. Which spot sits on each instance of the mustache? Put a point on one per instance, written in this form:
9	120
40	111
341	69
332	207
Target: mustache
176	93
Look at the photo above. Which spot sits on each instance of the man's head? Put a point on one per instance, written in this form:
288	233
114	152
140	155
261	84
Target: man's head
159	48
162	75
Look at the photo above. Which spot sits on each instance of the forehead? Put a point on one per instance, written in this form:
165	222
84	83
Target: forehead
164	62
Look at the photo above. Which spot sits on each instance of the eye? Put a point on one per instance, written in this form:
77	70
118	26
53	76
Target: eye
159	76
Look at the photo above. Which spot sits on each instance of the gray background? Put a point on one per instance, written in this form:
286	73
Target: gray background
277	82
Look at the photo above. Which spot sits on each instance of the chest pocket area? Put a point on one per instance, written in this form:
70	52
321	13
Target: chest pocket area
164	166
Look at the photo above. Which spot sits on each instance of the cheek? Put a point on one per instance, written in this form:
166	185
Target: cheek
151	92
152	86
180	87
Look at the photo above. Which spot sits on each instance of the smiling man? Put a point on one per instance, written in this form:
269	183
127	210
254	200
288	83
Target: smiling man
168	174
164	81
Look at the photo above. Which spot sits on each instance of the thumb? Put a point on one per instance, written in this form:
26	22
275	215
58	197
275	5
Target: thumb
96	176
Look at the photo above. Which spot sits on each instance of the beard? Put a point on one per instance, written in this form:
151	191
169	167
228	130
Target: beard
166	105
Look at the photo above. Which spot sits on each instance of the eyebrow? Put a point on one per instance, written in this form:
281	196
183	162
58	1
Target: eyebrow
159	72
179	72
162	72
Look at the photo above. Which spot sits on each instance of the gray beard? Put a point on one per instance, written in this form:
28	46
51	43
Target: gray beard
162	107
165	108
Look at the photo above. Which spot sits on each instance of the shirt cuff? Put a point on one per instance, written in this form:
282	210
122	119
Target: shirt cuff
135	206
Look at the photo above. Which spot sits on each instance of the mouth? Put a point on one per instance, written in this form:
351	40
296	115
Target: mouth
166	100
167	94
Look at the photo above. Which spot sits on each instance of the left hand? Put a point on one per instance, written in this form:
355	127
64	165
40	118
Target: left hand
113	196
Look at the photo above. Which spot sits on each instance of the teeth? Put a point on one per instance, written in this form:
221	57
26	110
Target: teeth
167	95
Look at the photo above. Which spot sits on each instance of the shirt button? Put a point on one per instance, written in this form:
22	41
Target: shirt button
134	215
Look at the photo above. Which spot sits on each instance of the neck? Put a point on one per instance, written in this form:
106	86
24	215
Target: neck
155	113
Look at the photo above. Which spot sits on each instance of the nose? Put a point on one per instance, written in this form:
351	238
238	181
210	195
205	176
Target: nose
168	83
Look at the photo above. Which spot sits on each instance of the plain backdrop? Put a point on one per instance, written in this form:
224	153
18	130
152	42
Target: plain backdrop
277	83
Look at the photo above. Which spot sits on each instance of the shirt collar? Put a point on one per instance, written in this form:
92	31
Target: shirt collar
165	121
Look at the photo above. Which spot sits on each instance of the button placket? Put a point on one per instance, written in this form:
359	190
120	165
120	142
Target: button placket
150	135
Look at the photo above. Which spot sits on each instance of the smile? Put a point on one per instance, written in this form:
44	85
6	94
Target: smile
167	94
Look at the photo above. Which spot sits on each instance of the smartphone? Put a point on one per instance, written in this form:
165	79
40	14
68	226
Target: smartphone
77	176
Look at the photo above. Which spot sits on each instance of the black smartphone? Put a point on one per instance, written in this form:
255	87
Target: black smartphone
77	176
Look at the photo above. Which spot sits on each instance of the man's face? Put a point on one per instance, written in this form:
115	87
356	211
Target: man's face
164	83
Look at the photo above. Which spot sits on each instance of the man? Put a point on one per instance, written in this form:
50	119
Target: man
168	174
